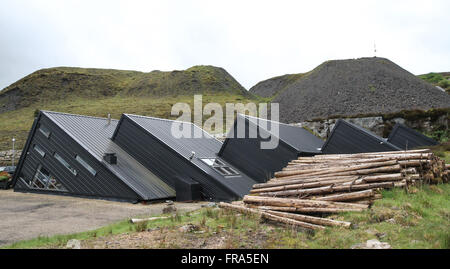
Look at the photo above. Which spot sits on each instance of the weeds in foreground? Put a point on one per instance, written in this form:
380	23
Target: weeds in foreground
141	226
419	219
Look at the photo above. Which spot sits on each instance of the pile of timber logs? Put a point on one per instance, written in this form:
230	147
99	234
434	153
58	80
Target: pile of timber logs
338	183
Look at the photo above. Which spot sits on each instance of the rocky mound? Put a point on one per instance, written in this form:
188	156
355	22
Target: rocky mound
66	82
270	87
356	87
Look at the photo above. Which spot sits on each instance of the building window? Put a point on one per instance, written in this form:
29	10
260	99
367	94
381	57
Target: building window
86	165
39	150
220	166
65	163
42	180
44	131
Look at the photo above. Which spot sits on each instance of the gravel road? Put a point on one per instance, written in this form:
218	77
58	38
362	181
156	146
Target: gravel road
26	216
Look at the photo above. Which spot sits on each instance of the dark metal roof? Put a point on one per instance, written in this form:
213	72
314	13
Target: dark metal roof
407	138
94	134
351	138
204	145
298	138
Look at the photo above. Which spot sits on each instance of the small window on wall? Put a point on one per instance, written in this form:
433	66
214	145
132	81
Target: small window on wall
220	166
86	165
39	150
65	163
44	131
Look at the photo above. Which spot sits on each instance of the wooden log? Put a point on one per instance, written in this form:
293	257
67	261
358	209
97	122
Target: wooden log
368	202
400	184
410	170
147	219
413	177
310	210
269	216
423	151
328	189
310	219
301	185
315	180
382	178
413	163
348	196
284	202
300	181
312	161
297	164
384	169
329	171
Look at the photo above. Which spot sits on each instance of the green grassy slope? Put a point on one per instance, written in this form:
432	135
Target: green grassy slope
438	79
97	92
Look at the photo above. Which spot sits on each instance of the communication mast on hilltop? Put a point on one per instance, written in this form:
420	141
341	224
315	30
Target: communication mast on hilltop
374	49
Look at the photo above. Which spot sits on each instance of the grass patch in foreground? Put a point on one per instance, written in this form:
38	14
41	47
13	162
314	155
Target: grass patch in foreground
419	219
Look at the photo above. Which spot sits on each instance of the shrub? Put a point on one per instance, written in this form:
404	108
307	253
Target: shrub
140	226
444	83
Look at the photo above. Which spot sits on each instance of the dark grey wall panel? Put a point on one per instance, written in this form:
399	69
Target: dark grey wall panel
104	184
260	164
407	138
350	138
163	162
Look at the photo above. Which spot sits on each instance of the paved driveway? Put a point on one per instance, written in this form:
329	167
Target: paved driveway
26	216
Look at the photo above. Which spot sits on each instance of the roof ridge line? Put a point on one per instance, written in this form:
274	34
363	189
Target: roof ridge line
169	120
76	115
287	124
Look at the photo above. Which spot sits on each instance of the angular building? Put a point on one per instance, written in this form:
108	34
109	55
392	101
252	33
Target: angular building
74	155
242	147
134	159
178	160
407	138
347	138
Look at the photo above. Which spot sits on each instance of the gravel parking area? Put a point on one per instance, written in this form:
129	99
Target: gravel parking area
26	216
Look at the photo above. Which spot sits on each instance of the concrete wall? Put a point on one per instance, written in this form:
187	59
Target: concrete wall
377	125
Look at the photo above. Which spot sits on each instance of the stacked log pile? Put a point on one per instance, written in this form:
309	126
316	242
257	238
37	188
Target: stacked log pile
326	184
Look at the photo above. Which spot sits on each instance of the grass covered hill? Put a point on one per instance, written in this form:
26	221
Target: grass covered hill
97	92
438	79
350	88
63	83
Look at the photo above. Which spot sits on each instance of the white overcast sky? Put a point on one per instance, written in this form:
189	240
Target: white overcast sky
252	40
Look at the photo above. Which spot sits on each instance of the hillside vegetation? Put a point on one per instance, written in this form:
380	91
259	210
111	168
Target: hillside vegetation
438	79
97	92
63	83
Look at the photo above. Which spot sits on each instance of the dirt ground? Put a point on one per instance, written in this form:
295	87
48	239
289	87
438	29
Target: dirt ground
175	238
26	216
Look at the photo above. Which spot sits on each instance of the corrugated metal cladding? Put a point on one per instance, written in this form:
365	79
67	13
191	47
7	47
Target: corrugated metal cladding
89	138
350	138
151	142
407	138
260	164
298	137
